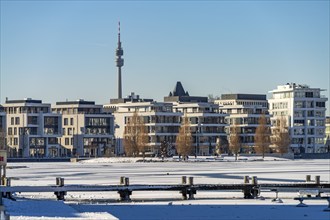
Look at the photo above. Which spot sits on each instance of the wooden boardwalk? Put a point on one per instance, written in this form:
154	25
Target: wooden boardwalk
295	187
187	188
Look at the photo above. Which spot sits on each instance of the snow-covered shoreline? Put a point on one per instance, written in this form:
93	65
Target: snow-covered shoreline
166	205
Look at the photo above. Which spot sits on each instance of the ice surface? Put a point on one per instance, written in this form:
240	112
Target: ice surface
164	205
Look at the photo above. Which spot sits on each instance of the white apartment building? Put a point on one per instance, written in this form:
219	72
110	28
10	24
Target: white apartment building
207	123
32	129
87	130
244	110
327	134
163	124
304	109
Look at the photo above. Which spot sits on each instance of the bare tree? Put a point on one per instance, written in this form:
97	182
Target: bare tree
262	136
135	136
142	138
218	147
234	140
281	136
184	139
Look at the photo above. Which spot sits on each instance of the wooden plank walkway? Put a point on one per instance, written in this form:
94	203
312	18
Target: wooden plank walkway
187	188
288	187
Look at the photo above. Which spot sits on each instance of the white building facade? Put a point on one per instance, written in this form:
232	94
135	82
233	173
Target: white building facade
207	123
244	110
32	130
87	130
162	124
304	110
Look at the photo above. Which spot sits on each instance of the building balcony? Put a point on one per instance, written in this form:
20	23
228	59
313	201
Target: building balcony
163	124
166	133
98	135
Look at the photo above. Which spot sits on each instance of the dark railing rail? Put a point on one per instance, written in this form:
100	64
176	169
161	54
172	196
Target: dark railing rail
186	188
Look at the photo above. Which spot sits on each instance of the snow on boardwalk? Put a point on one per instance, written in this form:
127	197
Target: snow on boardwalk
206	206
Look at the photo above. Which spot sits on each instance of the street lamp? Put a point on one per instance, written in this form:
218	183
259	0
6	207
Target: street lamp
197	144
210	147
117	146
198	131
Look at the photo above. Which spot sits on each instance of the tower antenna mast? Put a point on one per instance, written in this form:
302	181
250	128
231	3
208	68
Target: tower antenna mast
119	62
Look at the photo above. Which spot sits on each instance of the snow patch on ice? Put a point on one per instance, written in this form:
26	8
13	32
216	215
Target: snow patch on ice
176	159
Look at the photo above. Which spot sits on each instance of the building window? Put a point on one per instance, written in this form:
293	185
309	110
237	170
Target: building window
64	131
17	120
319	140
71	121
309	105
309	94
299	114
12	120
15	141
65	121
320	104
319	122
317	94
319	114
310	113
299	104
52	140
37	142
51	125
320	131
299	94
299	131
66	141
10	131
310	140
32	120
310	131
45	110
310	122
15	131
298	122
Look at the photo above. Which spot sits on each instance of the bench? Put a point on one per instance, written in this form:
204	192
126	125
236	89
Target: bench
307	195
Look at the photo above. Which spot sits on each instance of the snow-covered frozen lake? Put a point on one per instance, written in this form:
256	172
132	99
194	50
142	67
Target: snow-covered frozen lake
164	205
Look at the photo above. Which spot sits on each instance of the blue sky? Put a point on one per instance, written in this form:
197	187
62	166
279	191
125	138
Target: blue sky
58	50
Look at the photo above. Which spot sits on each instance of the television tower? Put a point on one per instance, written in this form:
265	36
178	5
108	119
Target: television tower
119	62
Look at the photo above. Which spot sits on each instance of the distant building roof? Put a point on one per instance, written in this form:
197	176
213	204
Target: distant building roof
130	98
243	96
77	102
178	90
27	100
180	95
